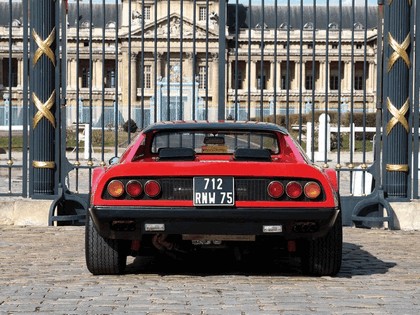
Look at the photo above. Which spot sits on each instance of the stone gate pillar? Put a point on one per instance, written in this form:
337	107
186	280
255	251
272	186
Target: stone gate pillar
43	96
396	97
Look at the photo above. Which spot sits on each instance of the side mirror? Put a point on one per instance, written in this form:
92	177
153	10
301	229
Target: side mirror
114	160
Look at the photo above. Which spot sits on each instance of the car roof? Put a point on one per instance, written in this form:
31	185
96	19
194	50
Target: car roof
227	125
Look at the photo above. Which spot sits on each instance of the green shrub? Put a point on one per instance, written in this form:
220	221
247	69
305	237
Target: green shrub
296	119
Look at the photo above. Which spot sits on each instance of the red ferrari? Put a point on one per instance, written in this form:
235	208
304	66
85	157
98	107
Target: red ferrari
188	186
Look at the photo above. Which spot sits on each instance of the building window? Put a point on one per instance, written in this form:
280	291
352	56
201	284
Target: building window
237	80
261	84
84	112
358	82
202	13
110	78
147	12
202	77
310	46
147	77
334	82
334	46
16	113
308	82
285	83
85	77
14	66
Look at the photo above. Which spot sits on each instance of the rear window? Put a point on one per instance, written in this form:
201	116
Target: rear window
222	142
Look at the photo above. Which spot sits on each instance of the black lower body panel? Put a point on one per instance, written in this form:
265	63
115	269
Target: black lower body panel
131	222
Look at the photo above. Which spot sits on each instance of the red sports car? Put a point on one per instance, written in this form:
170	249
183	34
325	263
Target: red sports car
188	186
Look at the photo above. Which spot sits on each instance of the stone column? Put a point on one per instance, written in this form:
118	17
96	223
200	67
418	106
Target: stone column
278	83
158	69
373	80
347	76
74	78
214	86
272	83
98	75
253	75
69	74
322	80
304	76
126	15
122	79
133	74
372	77
230	76
246	76
19	72
296	79
189	71
328	74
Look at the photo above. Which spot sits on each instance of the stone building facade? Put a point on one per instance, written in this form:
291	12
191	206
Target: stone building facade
137	56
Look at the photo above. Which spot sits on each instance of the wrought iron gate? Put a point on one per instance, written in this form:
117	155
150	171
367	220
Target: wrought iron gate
337	76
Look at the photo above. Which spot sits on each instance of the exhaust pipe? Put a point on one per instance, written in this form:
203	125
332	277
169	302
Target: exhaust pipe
305	227
123	226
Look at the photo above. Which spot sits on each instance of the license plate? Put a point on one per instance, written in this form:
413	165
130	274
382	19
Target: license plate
214	191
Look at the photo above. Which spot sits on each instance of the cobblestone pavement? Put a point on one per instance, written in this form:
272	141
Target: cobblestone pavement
42	269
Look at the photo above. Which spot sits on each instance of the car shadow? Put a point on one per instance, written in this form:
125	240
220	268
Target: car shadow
356	262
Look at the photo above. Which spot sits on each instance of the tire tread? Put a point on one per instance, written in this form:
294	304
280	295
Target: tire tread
323	255
103	256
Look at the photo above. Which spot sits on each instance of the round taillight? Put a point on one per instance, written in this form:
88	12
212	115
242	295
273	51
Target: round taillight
275	189
312	190
134	188
152	188
294	190
115	188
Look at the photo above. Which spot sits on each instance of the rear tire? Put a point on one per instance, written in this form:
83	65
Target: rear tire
103	256
322	256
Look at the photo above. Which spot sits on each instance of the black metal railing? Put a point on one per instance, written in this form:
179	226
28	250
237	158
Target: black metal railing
315	68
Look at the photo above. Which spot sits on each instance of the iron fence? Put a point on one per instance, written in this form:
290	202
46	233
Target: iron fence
315	68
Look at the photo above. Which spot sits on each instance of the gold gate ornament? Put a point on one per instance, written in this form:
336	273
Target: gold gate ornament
44	47
399	51
398	116
44	110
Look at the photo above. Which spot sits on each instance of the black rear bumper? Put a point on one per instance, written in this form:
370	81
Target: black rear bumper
129	222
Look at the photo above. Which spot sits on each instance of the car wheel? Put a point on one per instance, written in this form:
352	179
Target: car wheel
103	256
322	256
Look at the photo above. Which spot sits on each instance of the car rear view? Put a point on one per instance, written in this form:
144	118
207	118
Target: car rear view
196	185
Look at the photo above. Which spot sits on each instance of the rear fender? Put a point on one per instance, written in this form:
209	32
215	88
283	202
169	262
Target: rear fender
97	173
332	177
